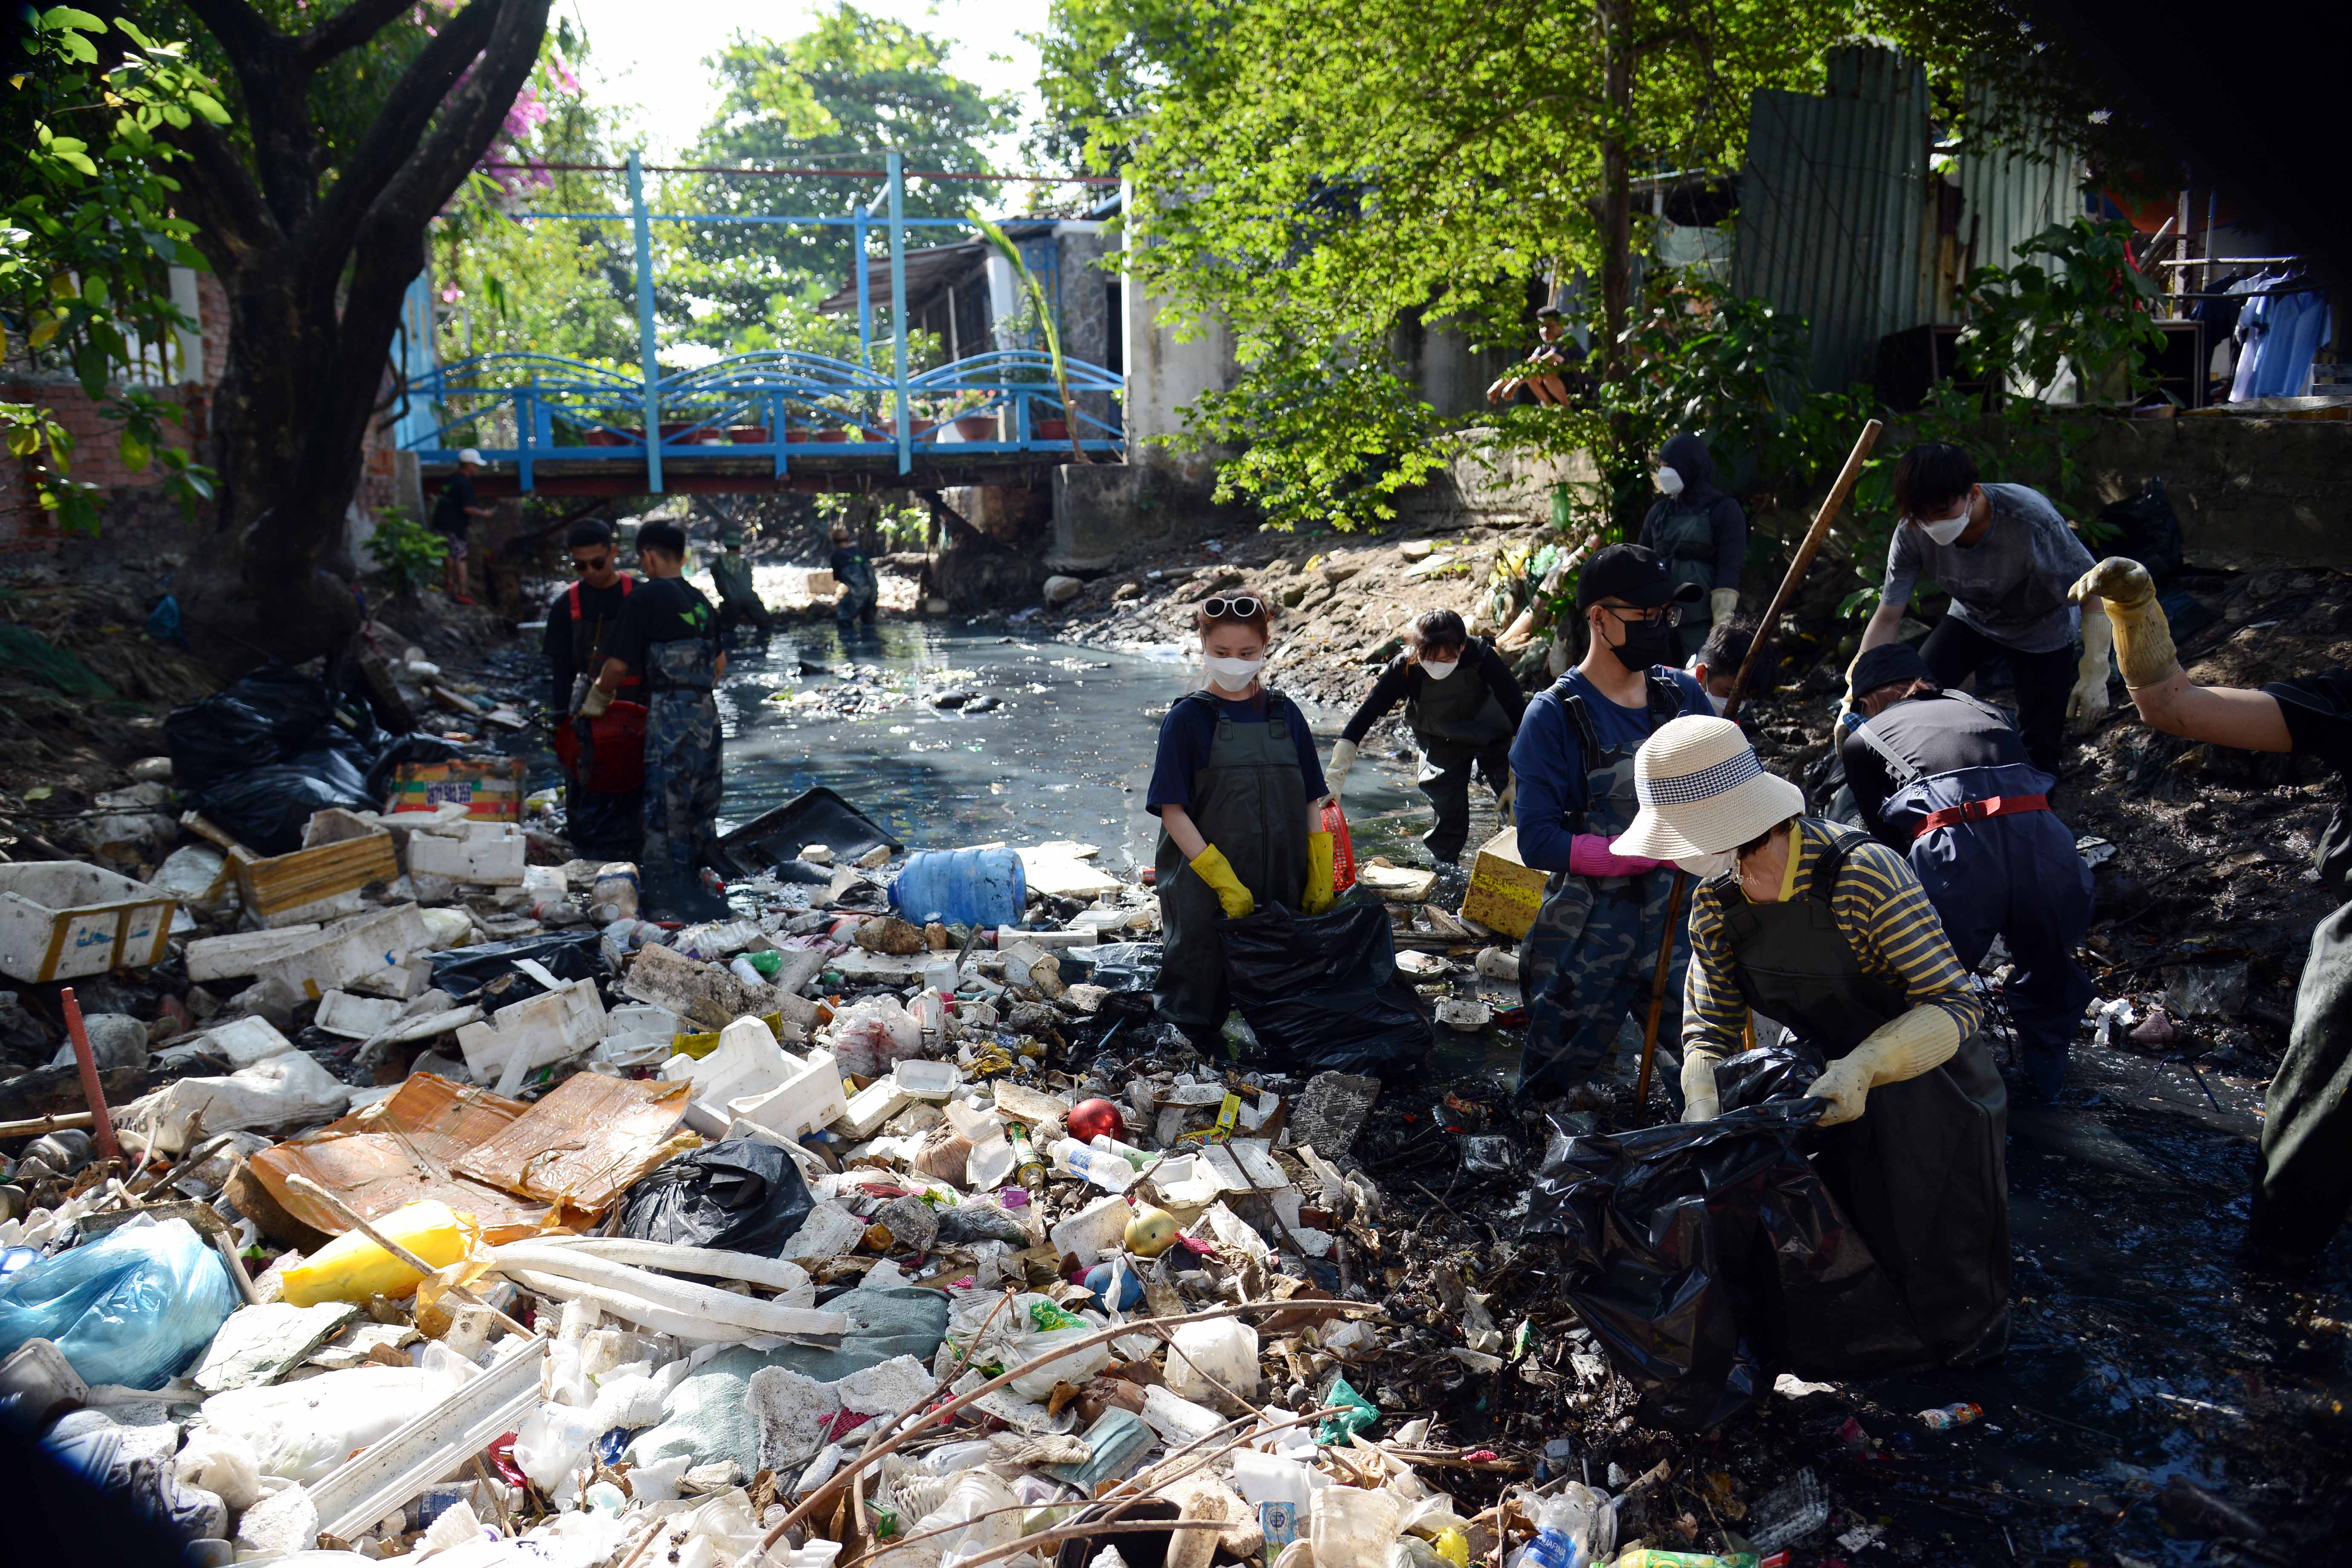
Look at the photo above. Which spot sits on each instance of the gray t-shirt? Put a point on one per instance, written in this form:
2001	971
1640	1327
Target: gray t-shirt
2011	584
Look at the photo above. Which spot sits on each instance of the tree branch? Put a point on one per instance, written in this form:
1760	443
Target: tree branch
273	82
347	29
391	145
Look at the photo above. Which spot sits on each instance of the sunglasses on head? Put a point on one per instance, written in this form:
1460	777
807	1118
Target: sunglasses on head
1234	607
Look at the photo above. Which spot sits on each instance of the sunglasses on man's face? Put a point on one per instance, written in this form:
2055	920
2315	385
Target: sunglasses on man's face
1235	606
601	563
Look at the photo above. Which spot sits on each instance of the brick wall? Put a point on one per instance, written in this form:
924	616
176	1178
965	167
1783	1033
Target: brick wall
97	458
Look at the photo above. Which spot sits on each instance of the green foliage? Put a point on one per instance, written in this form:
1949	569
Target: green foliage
407	551
1043	312
845	92
2088	310
1321	440
87	242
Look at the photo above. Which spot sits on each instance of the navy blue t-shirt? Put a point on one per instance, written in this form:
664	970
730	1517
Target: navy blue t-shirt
1189	731
1548	757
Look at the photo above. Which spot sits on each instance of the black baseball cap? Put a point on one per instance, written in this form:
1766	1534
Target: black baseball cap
1636	575
1887	664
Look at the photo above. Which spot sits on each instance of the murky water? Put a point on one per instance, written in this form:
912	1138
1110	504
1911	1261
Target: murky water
1065	752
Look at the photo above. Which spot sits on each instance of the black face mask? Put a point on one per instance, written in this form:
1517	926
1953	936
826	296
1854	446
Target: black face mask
1646	643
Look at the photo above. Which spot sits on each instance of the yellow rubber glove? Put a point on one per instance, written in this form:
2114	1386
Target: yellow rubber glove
1318	895
594	705
1919	1041
1722	604
2144	649
1699	1102
1211	867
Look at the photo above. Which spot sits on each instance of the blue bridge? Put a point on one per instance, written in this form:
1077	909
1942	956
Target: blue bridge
766	420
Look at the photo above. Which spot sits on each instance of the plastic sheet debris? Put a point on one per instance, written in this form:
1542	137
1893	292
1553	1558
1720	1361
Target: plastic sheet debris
566	955
815	816
133	1307
1332	1109
261	1344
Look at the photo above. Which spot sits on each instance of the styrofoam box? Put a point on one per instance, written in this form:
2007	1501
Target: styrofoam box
61	920
809	1098
920	1078
491	855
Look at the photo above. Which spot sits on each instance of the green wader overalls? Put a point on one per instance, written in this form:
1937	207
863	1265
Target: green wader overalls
1459	726
2305	1185
681	760
1686	545
1249	801
1922	1173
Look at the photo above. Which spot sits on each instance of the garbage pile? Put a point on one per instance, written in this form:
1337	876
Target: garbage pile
393	1190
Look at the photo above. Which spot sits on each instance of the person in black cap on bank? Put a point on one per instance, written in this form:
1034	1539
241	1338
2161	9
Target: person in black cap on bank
1942	778
1592	954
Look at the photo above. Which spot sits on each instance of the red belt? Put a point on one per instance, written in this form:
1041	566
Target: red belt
1979	810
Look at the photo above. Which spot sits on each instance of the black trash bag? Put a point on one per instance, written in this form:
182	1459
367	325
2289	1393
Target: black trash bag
1768	1072
1321	992
2146	530
267	808
741	1194
261	719
576	954
1707	1256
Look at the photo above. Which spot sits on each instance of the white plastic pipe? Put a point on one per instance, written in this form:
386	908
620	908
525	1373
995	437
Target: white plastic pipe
625	1307
774	1273
676	1295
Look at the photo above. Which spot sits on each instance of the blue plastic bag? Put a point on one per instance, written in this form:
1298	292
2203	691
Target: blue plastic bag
131	1307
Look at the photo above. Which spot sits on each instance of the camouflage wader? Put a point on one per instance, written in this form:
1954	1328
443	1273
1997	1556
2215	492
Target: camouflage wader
1459	726
1592	954
681	760
1249	801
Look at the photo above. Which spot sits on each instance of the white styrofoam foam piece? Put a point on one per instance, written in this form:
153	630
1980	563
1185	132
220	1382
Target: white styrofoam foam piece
1093	1231
746	1061
246	1040
870	1107
809	1098
545	1029
490	855
920	1079
349	950
355	1018
243	952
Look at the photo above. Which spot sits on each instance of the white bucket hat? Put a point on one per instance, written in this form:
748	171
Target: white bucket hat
1703	790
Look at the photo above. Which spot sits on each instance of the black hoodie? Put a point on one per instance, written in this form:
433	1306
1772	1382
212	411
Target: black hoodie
1688	456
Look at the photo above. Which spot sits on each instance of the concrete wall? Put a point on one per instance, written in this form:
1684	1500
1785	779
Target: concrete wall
2250	493
1480	484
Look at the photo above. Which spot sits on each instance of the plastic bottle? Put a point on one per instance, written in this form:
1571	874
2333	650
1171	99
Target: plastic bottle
961	887
1950	1416
1562	1525
1025	1163
1106	1170
1138	1158
351	1267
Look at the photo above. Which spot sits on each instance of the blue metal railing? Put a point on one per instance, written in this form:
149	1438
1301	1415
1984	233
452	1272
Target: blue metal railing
531	408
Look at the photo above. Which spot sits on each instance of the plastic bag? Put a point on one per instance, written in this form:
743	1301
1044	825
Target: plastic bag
874	1036
263	718
267	808
1321	992
742	1194
1706	1255
304	1430
133	1307
1343	847
576	954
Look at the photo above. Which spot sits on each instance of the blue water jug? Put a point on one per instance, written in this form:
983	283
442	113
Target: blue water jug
961	887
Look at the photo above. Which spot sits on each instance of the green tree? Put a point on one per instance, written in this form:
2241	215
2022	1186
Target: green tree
87	243
840	95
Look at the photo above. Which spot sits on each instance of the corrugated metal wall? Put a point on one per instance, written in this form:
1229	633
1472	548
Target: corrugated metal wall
2012	197
1834	221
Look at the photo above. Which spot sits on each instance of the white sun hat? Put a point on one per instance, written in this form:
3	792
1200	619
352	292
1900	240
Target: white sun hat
1703	790
470	456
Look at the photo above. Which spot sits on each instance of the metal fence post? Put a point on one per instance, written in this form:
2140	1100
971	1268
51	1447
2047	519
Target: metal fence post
650	370
865	288
898	303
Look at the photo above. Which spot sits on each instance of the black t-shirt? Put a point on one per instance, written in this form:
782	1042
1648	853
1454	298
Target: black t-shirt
450	515
1401	682
1937	734
2318	713
850	567
662	609
600	611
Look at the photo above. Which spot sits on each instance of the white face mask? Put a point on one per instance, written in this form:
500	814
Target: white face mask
1234	674
1716	702
1944	530
1706	865
1439	669
1669	482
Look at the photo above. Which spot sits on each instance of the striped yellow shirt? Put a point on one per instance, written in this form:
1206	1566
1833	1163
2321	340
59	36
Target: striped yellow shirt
1879	908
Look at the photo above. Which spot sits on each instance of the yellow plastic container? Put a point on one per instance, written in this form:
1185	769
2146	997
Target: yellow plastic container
352	1269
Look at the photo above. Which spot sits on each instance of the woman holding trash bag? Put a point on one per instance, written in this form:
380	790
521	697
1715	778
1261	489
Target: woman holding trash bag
1700	532
1828	932
1235	785
1463	705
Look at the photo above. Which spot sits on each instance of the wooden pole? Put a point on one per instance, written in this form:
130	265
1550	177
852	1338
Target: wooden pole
101	1126
1839	494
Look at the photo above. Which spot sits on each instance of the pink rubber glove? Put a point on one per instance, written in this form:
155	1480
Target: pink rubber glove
1589	855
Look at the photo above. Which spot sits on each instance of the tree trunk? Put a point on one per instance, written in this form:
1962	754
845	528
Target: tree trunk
316	255
1616	180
